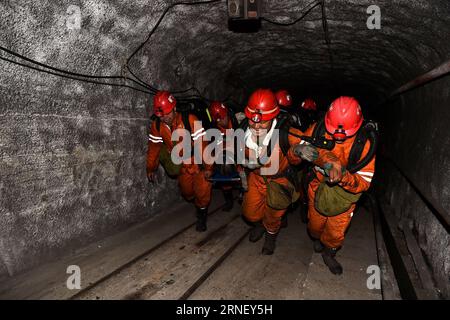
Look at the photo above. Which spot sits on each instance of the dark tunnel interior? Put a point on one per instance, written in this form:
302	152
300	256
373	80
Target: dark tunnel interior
72	168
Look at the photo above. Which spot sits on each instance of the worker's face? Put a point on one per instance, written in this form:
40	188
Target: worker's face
223	122
260	128
168	118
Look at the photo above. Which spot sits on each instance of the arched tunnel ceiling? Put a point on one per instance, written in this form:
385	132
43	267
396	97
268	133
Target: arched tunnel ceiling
193	46
73	153
195	42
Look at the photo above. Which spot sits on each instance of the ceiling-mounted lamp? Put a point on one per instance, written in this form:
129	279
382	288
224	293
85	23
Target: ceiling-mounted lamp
244	9
244	15
252	9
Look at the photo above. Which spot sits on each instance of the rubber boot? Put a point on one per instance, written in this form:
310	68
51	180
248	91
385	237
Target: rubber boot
318	246
284	221
228	195
256	232
202	216
269	243
304	212
329	257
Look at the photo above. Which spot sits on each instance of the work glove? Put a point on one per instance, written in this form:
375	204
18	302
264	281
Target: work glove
334	171
306	152
244	181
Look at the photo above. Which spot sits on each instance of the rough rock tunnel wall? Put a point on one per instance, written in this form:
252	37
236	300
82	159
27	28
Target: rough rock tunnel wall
417	139
73	154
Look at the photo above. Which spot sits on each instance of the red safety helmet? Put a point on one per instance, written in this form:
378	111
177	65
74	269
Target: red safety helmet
309	104
343	118
217	111
284	99
262	105
163	103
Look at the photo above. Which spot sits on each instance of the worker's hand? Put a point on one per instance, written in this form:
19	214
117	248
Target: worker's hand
207	174
306	152
244	181
152	178
335	171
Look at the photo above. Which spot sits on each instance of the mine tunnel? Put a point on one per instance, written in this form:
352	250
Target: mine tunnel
77	85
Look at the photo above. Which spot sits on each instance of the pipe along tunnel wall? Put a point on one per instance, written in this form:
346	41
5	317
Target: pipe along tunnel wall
72	154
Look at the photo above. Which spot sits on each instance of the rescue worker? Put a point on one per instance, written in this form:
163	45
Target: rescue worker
222	119
284	99
266	199
308	115
192	178
340	175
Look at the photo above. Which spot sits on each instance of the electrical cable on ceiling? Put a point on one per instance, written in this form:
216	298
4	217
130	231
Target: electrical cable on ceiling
61	72
160	20
187	90
308	9
328	42
53	68
71	77
152	89
140	82
155	27
79	76
314	3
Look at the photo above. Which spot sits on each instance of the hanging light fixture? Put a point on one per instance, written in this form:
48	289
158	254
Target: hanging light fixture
244	15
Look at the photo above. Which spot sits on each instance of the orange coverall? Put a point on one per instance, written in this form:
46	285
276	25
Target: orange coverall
191	180
331	230
254	205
